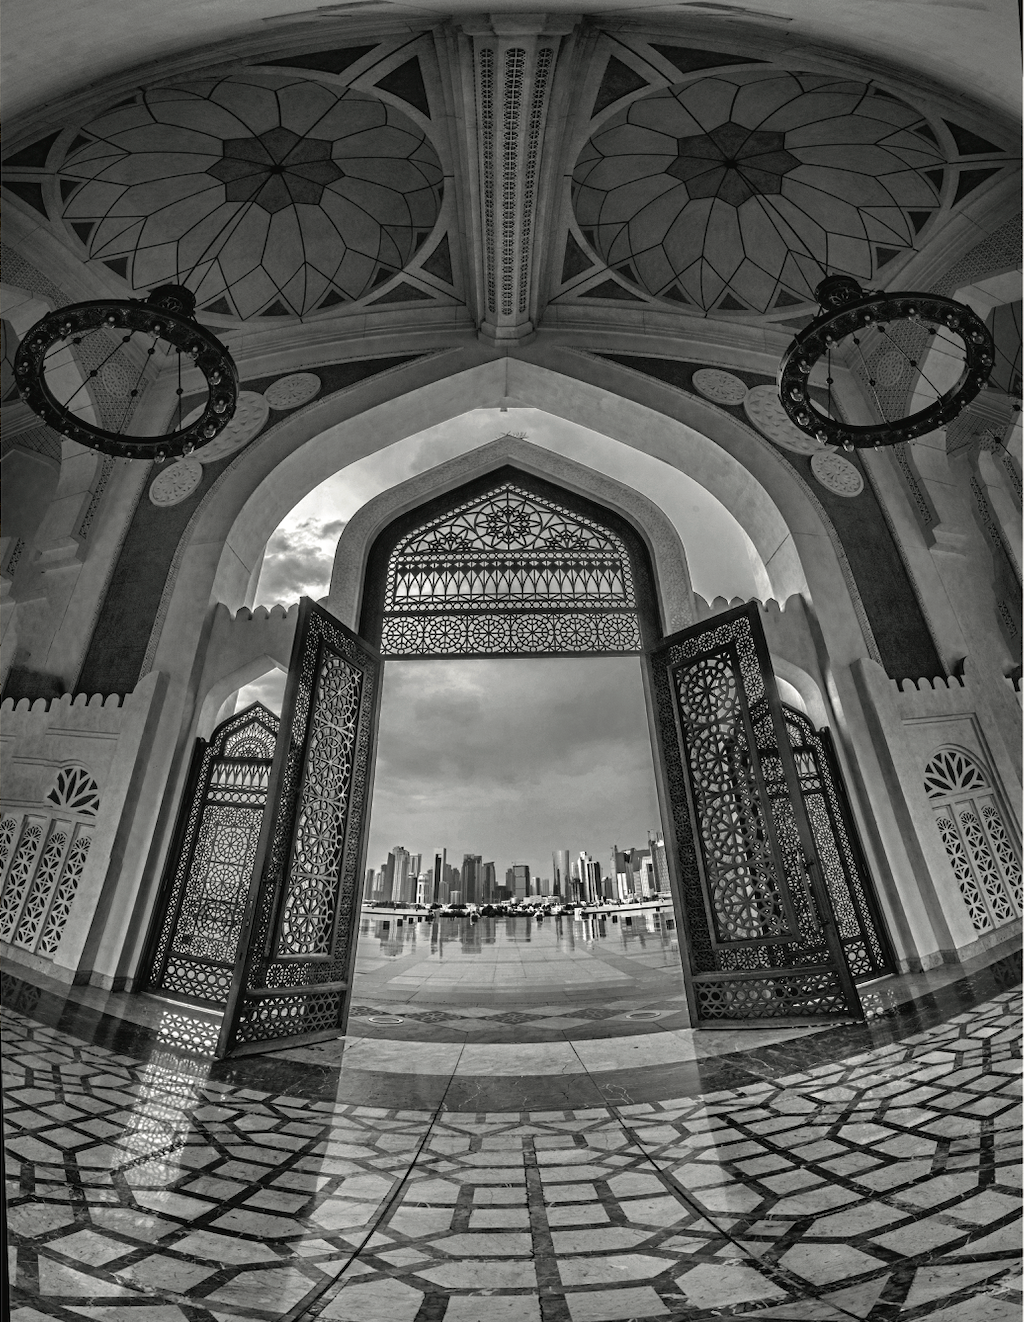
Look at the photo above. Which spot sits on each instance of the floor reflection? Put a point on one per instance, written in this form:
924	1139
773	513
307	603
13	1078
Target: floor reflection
502	962
866	1171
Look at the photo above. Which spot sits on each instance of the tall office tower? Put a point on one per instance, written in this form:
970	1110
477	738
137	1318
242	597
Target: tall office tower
575	891
520	873
621	874
439	862
590	878
368	885
656	844
451	881
386	878
415	864
424	887
560	874
488	884
646	881
471	868
403	887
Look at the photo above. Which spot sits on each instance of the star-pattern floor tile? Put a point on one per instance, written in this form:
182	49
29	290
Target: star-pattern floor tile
881	1183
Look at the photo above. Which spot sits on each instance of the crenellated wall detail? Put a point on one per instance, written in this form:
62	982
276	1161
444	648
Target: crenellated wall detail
72	768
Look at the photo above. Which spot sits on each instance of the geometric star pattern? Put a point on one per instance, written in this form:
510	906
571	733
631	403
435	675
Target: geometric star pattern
264	194
876	1181
735	191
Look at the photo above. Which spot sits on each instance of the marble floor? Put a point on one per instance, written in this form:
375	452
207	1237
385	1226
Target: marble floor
864	1171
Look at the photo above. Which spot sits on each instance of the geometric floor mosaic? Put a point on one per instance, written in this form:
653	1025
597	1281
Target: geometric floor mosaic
880	1186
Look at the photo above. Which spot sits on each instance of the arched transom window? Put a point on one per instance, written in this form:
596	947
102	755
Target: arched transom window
510	570
981	850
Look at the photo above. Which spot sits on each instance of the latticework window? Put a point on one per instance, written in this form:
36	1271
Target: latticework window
982	852
38	889
509	572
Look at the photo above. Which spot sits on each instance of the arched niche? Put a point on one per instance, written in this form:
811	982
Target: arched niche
220	552
668	558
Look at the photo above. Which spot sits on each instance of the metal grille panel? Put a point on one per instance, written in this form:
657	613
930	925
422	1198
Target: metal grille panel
760	935
298	931
510	572
861	926
202	902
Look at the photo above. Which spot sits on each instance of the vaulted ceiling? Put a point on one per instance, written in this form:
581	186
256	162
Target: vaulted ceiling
507	172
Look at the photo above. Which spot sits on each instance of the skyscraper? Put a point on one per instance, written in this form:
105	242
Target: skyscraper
520	880
403	882
590	877
656	844
560	875
488	884
439	865
471	867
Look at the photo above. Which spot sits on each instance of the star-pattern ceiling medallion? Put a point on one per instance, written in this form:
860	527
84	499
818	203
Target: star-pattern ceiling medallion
737	192
277	169
733	163
265	194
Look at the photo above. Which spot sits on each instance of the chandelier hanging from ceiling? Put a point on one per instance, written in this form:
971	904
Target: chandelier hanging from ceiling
933	349
131	344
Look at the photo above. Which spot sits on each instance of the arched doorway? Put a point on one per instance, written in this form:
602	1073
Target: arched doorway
509	564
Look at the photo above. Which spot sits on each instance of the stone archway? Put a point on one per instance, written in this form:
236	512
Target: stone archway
545	571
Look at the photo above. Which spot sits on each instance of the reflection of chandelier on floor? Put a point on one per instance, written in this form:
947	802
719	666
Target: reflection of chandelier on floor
131	342
938	348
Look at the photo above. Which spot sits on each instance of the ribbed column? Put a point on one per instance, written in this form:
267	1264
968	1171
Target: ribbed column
513	70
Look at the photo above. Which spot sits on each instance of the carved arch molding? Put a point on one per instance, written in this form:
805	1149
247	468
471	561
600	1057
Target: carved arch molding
774	904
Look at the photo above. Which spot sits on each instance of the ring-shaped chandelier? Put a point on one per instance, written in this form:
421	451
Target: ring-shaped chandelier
128	335
853	326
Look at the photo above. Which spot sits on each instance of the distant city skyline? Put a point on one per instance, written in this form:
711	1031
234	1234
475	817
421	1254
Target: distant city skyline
404	877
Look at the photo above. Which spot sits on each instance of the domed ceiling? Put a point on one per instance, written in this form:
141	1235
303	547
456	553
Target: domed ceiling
739	191
273	195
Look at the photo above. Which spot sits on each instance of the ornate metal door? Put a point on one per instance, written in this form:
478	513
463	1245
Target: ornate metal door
761	940
202	898
858	917
297	938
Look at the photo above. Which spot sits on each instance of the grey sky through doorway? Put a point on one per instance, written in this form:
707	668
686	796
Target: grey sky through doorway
508	759
512	759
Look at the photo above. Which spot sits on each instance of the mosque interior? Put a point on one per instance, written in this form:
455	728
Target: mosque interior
535	271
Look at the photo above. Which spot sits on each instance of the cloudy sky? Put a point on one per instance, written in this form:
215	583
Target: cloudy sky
509	759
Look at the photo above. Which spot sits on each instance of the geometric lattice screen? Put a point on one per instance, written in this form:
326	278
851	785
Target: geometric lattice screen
292	979
202	898
854	904
981	850
762	942
43	853
511	570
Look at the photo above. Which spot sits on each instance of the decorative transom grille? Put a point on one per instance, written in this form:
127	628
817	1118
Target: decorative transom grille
982	853
509	572
75	790
951	771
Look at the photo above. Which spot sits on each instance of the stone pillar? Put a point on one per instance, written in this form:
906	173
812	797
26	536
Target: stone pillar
506	113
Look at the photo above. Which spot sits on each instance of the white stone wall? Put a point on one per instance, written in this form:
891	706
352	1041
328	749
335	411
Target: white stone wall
71	771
